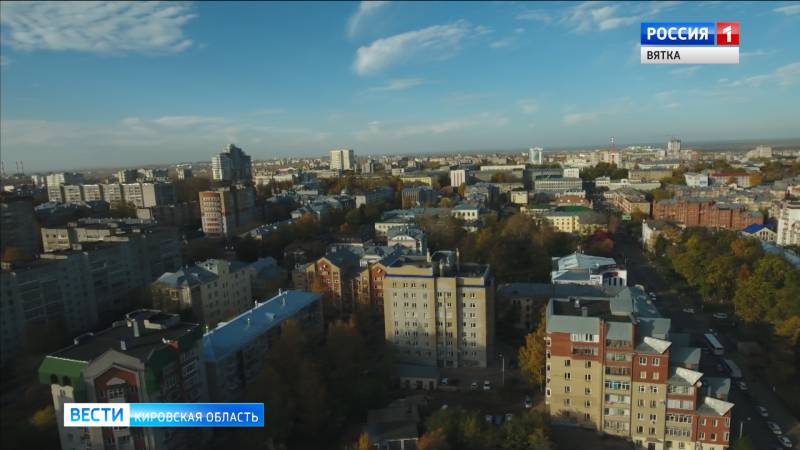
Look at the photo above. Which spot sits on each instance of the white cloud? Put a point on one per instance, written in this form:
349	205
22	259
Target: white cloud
502	43
364	11
783	76
377	131
536	15
397	85
435	42
528	106
685	71
604	16
789	10
578	118
188	121
96	27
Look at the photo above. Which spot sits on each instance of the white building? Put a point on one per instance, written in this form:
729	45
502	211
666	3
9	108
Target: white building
789	224
342	159
578	268
536	155
572	172
696	179
673	147
458	177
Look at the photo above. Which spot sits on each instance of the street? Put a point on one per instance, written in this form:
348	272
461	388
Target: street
641	271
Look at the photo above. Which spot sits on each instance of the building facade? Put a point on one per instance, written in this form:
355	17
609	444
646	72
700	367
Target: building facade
612	367
149	356
439	312
343	159
579	268
706	213
789	224
226	211
19	238
232	165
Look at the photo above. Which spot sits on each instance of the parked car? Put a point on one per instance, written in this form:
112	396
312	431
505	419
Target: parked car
488	418
785	441
762	411
509	416
742	385
444	406
688	310
486	385
528	402
474	386
445	381
720	316
775	428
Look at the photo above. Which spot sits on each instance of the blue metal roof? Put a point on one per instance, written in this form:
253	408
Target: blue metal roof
231	336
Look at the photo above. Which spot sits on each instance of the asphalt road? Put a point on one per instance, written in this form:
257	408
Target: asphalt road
640	271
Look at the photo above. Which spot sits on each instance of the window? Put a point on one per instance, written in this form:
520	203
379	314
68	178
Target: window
547	341
704	421
713	436
567	362
715	423
587	404
652	430
726	437
639	416
547	392
656	362
587	377
587	364
653	417
728	422
643	376
567	389
567	376
587	391
643	360
702	435
655	375
640	429
566	402
584	337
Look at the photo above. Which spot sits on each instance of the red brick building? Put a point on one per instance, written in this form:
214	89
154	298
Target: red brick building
706	213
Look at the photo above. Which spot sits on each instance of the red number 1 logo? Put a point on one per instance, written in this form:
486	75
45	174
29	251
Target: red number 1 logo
727	33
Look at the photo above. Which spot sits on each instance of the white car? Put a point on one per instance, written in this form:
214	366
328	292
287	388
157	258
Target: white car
762	411
488	418
688	310
509	416
528	402
474	386
785	441
775	428
487	386
742	385
444	381
720	316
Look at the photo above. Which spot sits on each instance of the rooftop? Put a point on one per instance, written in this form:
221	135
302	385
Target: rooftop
231	336
713	407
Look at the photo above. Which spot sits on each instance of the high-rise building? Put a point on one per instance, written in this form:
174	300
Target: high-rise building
789	224
19	238
211	291
150	356
536	155
369	166
613	364
127	175
141	195
342	159
59	178
226	211
438	311
184	173
673	147
232	165
458	177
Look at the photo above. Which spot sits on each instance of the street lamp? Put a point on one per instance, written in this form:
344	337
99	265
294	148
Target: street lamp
741	426
503	369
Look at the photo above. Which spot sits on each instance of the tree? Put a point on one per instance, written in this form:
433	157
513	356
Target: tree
433	440
756	179
744	444
121	210
533	355
361	444
247	249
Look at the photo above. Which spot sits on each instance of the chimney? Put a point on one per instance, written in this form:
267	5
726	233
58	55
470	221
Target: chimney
584	311
123	345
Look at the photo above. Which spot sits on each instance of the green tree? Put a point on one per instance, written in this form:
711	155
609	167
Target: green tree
121	210
744	444
433	440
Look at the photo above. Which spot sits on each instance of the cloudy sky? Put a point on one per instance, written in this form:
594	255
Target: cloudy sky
108	84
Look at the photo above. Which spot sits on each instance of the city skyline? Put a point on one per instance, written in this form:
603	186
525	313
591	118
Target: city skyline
159	83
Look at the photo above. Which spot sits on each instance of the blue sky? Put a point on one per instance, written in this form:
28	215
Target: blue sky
114	84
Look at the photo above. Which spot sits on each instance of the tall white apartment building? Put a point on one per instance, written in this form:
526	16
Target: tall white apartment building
536	155
342	159
789	224
233	164
458	177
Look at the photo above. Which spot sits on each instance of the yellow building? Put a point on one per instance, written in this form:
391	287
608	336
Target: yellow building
439	312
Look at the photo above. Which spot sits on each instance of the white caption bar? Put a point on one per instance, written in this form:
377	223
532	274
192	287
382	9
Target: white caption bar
689	55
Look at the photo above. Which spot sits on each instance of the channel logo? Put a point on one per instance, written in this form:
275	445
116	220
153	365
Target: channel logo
163	414
689	42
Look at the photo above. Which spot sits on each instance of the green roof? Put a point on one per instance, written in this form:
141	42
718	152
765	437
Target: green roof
61	368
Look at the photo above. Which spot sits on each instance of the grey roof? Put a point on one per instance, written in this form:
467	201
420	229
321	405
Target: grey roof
547	290
200	273
654	327
680	376
684	356
581	261
622	331
717	386
570	324
653	345
713	407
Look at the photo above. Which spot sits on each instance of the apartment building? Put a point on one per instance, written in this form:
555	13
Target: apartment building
628	200
649	174
149	356
226	211
176	215
375	196
343	159
458	177
235	352
696	179
789	224
612	366
141	195
211	291
554	185
18	228
127	175
438	311
418	196
741	179
578	220
232	165
579	268
706	213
